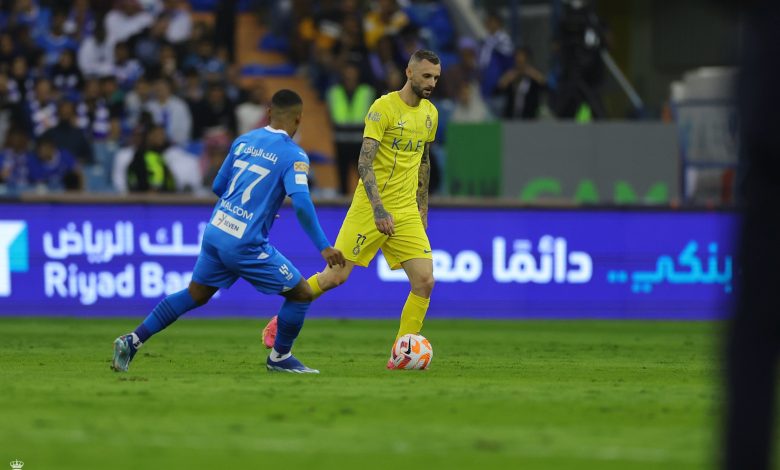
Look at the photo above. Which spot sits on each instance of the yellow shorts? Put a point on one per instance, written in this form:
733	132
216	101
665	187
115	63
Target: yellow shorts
359	238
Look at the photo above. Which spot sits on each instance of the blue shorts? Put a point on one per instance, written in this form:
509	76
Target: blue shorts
270	273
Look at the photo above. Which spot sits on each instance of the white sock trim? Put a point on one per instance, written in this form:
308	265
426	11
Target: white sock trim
136	341
276	357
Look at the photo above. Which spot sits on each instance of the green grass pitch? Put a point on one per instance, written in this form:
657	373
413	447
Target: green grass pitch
522	394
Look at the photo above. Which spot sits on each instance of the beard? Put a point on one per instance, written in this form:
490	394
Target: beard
419	91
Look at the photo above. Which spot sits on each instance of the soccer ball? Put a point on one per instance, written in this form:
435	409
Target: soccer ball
412	352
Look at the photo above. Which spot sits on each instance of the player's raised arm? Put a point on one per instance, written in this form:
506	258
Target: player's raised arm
382	218
423	180
307	217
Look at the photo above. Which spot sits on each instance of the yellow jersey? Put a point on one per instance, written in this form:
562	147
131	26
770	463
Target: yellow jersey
402	132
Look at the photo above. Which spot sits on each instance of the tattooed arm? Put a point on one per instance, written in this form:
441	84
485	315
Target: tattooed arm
424	177
382	218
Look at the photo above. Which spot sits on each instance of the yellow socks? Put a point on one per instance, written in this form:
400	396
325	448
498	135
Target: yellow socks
413	314
315	286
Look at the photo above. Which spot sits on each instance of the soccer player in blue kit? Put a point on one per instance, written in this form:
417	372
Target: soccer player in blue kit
263	167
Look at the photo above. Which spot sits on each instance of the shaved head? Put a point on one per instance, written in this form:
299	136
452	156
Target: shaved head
423	54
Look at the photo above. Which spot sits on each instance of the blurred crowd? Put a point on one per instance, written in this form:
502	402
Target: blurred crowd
118	96
134	95
355	51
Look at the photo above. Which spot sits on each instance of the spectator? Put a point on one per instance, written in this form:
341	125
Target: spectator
348	103
205	60
96	53
184	167
304	35
126	68
126	20
11	113
234	87
192	90
580	40
225	27
14	160
470	106
216	110
7	51
148	42
216	145
465	70
112	96
21	87
93	114
147	170
495	56
350	49
42	108
522	86
26	46
171	112
55	40
80	20
409	40
179	21
53	169
157	165
169	63
124	156
385	69
386	19
68	136
137	100
65	75
25	13
253	113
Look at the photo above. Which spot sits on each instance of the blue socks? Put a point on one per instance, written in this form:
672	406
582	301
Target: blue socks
165	313
289	321
288	325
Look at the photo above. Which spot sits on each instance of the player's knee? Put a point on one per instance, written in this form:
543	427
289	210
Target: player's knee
332	279
200	294
200	298
423	286
303	296
340	278
301	293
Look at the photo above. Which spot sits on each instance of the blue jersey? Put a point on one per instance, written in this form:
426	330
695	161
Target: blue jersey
263	167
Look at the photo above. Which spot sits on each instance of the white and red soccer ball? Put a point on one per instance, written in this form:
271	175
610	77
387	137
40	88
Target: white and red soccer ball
412	352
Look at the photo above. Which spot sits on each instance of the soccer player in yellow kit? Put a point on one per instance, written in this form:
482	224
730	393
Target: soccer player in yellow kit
390	207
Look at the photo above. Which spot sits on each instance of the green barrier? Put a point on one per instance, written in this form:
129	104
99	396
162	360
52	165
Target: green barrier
473	165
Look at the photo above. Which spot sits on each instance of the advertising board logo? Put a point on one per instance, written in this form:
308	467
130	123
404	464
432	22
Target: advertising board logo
14	252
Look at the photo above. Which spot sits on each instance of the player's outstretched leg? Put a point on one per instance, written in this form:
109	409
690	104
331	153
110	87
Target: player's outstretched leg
166	312
289	323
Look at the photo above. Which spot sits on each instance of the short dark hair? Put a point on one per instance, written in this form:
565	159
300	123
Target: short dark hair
45	139
285	99
424	54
